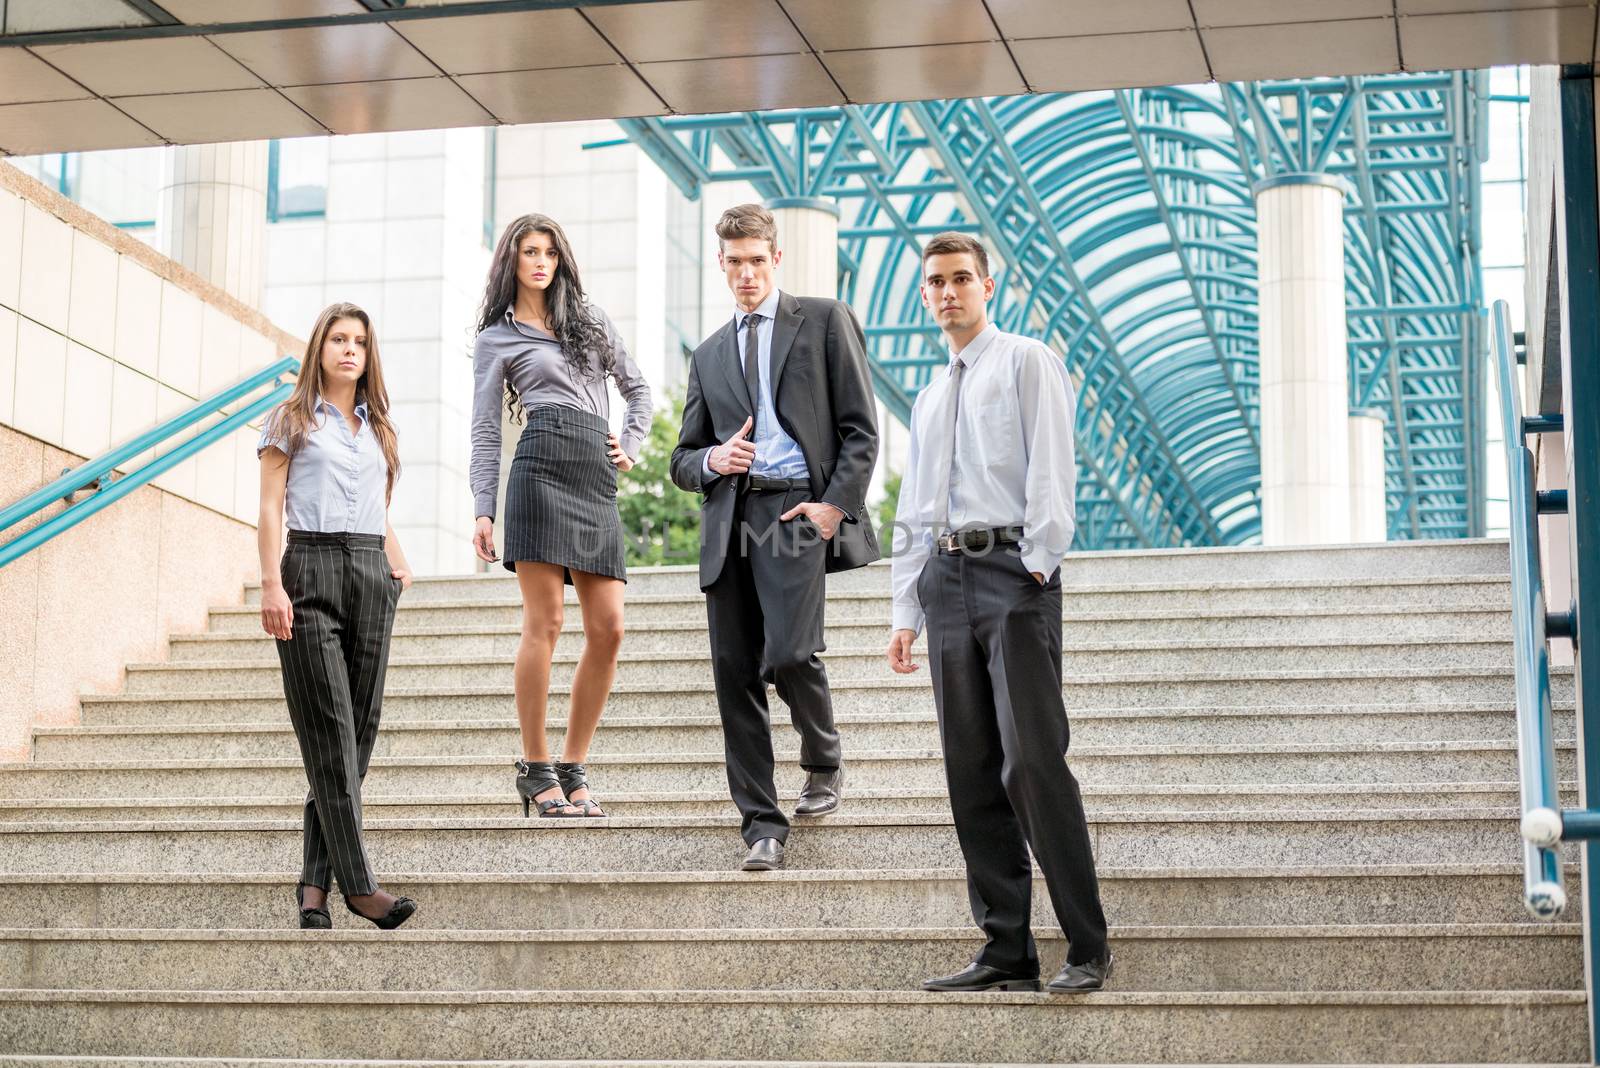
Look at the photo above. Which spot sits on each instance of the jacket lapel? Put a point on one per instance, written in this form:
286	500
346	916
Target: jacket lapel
784	331
733	367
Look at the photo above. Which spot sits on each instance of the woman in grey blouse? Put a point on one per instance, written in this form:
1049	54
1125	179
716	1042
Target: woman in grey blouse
548	352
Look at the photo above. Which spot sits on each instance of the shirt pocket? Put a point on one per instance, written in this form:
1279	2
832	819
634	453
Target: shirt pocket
993	434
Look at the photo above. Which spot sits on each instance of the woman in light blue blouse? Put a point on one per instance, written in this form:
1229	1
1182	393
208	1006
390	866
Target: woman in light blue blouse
329	460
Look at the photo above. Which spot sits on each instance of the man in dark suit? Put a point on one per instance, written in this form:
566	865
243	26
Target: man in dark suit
780	435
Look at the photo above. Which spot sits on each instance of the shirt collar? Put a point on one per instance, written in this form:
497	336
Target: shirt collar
323	402
977	346
767	309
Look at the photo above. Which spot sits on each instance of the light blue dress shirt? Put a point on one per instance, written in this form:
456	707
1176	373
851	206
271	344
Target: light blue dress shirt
338	480
777	454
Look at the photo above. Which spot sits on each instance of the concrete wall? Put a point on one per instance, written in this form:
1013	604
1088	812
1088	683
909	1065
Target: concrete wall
100	337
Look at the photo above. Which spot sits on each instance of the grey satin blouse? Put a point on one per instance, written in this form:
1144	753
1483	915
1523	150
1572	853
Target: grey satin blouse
531	360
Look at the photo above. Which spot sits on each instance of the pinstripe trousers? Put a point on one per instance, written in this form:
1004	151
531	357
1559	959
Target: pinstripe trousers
333	667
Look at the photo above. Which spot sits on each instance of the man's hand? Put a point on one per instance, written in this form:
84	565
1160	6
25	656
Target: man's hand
734	456
826	517
1037	577
900	652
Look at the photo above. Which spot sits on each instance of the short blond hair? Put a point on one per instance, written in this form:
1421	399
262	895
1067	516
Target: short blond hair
954	242
747	220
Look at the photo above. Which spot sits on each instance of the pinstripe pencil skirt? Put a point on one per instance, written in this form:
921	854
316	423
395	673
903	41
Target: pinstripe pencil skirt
561	498
344	597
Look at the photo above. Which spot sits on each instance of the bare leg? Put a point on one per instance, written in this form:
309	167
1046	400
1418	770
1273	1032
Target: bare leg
600	598
542	615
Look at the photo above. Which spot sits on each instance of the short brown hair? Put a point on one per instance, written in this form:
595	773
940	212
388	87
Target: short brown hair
747	220
950	241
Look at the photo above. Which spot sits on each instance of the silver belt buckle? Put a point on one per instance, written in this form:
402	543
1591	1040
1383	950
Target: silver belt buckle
948	543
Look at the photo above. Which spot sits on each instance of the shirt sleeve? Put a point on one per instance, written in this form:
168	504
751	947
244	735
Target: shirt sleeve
912	544
1048	404
271	434
488	386
634	389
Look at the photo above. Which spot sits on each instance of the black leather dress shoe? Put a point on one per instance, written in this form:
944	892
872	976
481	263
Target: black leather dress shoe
981	977
821	793
1079	978
765	855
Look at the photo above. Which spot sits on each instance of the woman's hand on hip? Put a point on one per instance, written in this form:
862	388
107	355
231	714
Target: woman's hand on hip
483	540
618	457
277	612
404	575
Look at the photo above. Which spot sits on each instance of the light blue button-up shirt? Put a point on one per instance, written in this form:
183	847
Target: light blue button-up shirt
338	480
777	454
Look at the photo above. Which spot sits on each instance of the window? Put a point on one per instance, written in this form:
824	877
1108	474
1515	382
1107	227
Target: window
297	179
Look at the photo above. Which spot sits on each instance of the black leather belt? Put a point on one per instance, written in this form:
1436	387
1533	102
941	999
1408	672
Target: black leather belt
758	484
981	540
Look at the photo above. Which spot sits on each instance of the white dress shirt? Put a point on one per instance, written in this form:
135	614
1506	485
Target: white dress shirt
1013	465
338	481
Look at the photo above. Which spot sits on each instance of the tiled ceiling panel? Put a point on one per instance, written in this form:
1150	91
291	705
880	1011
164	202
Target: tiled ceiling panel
517	40
1083	18
1116	61
1549	35
46	16
1451	7
152	65
327	54
1265	12
368	107
25	78
1244	53
931	73
201	118
754	82
697	29
68	126
213	12
563	95
830	25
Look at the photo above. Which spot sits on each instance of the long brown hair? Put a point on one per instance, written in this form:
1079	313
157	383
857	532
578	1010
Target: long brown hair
293	419
581	333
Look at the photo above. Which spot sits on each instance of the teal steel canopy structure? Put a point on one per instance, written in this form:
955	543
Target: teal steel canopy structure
1123	223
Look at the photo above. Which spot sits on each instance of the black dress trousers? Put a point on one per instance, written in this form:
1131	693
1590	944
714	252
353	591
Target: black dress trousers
344	599
766	619
994	650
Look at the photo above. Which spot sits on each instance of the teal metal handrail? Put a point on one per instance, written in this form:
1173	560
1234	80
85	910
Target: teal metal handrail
1543	890
96	470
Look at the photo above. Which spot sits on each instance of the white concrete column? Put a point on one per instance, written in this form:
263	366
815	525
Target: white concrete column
808	234
1305	429
212	214
1369	499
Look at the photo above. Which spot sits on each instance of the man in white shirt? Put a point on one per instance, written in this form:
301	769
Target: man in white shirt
984	518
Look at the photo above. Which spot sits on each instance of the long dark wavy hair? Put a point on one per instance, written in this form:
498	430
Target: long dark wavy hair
584	343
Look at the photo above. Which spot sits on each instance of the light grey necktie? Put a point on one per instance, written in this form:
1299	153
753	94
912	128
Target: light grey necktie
941	503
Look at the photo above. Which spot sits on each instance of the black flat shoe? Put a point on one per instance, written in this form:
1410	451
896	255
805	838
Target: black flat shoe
765	855
398	913
1081	978
821	793
535	777
980	977
316	919
575	777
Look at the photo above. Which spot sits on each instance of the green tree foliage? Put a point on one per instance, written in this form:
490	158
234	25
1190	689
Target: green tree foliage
660	522
887	506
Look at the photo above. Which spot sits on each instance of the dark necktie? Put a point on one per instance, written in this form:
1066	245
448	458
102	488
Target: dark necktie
752	361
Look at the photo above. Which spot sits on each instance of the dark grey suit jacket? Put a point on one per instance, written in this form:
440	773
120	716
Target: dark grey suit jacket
823	397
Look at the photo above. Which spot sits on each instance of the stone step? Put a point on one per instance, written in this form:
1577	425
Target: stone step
1519	956
685	843
1373	623
793	1025
1491	796
620	773
297	1062
501	605
1392	893
1409	560
638	669
401	736
1267	690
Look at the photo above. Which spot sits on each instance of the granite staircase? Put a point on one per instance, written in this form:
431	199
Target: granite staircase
1299	767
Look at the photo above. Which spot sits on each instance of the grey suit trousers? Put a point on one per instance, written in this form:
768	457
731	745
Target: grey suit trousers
333	668
994	650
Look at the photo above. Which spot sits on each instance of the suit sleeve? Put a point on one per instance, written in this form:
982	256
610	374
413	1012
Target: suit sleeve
854	411
695	440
